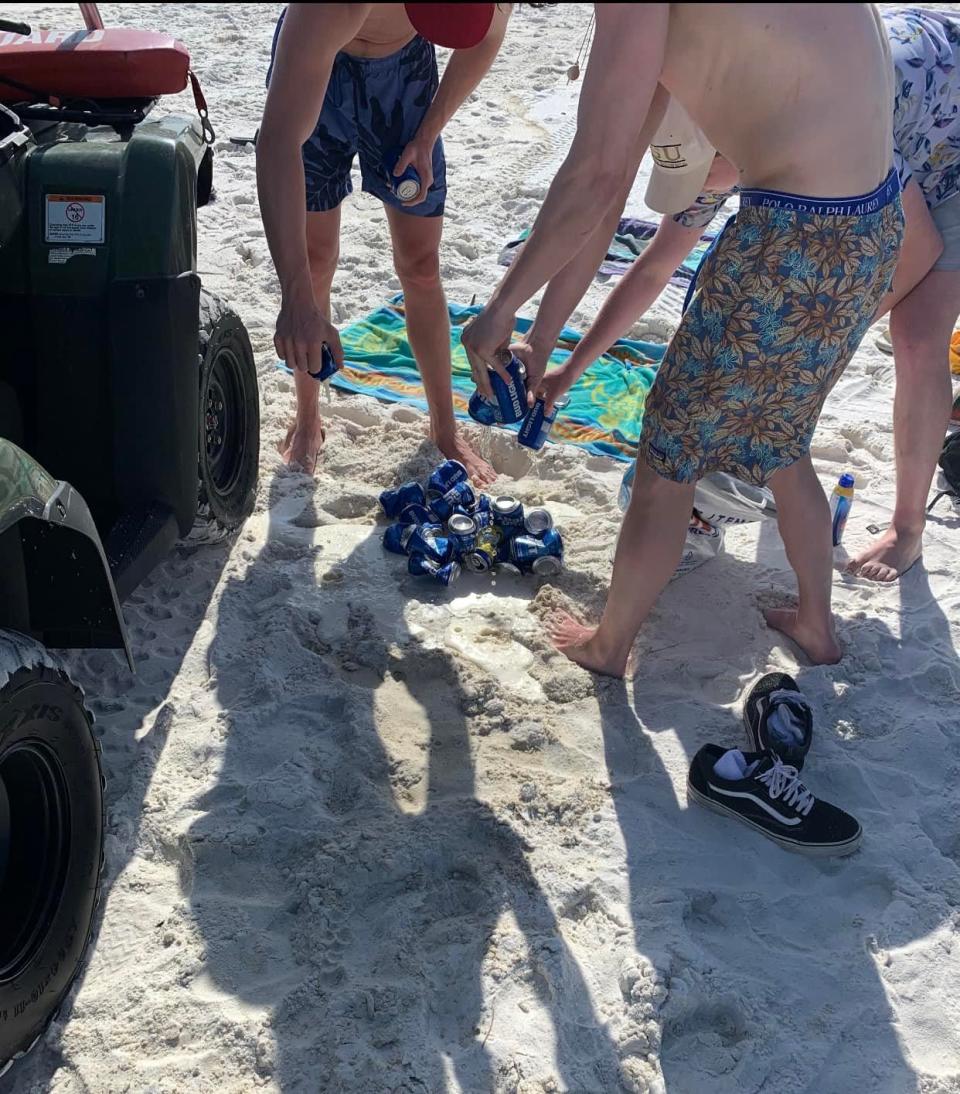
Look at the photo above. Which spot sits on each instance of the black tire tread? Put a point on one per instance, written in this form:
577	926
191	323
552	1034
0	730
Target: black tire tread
214	311
42	673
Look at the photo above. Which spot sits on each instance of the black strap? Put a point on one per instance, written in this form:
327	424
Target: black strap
208	134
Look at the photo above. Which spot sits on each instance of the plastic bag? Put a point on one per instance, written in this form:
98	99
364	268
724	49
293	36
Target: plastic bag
722	499
704	542
704	539
719	498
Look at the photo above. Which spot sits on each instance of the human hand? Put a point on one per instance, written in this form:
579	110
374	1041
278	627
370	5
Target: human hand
301	332
418	154
556	383
535	362
486	340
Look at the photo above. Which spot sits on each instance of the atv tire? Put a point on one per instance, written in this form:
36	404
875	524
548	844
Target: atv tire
229	441
51	846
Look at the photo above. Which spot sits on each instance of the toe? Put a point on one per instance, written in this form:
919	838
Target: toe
558	629
878	571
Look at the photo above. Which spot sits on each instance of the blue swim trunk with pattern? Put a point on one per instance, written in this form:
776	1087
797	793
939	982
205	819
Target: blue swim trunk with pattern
781	301
374	107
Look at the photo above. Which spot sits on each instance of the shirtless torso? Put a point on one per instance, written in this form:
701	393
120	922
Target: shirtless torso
385	30
787	115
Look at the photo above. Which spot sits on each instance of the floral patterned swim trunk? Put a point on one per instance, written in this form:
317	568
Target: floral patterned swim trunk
781	303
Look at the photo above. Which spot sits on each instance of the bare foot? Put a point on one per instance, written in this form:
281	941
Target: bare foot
820	646
301	447
578	642
480	473
890	557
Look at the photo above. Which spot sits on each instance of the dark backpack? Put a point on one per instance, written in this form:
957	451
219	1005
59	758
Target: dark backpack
950	465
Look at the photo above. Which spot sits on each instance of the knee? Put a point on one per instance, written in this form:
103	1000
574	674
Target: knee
917	348
418	271
323	263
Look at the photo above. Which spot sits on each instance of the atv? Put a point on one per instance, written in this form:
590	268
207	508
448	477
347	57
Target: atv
128	415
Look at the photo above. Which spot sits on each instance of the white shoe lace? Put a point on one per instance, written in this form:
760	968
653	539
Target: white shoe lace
782	780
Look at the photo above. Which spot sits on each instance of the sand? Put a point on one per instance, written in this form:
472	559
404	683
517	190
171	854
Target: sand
366	834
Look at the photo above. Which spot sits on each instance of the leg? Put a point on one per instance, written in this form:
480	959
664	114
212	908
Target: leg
648	551
920	248
416	257
920	329
803	515
304	439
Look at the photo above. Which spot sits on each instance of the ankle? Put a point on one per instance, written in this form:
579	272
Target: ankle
816	622
445	434
611	648
306	422
908	527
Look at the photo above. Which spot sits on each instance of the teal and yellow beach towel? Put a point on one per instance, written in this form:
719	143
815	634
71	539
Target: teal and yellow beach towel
606	403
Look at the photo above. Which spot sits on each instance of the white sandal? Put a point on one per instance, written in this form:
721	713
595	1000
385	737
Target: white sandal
653	328
883	343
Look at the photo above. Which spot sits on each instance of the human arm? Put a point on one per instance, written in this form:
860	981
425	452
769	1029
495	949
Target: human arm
309	40
465	69
671	244
638	289
566	288
614	124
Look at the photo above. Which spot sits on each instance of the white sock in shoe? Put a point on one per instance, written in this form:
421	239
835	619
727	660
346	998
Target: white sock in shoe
733	765
783	722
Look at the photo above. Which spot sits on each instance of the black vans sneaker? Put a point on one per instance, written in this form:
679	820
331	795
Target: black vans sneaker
765	793
777	717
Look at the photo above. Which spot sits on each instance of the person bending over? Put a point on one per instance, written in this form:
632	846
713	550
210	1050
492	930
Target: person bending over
349	78
800	100
924	301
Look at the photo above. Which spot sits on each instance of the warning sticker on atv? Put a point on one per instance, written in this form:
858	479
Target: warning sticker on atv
75	218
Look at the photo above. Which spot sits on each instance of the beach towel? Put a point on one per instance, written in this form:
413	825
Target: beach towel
606	403
631	239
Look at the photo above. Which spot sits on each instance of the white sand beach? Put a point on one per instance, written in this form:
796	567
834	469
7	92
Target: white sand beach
366	834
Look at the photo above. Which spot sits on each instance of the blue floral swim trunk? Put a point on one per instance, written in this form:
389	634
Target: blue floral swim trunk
374	107
780	305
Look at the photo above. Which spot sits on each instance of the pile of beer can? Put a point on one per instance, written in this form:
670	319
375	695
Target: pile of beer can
446	527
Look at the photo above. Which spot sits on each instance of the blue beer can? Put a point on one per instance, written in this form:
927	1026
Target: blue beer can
393	502
508	515
397	536
512	396
462	533
416	514
457	497
407	185
537	424
483	518
537	521
552	542
482	411
538	556
430	541
446	475
421	566
328	366
510	403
